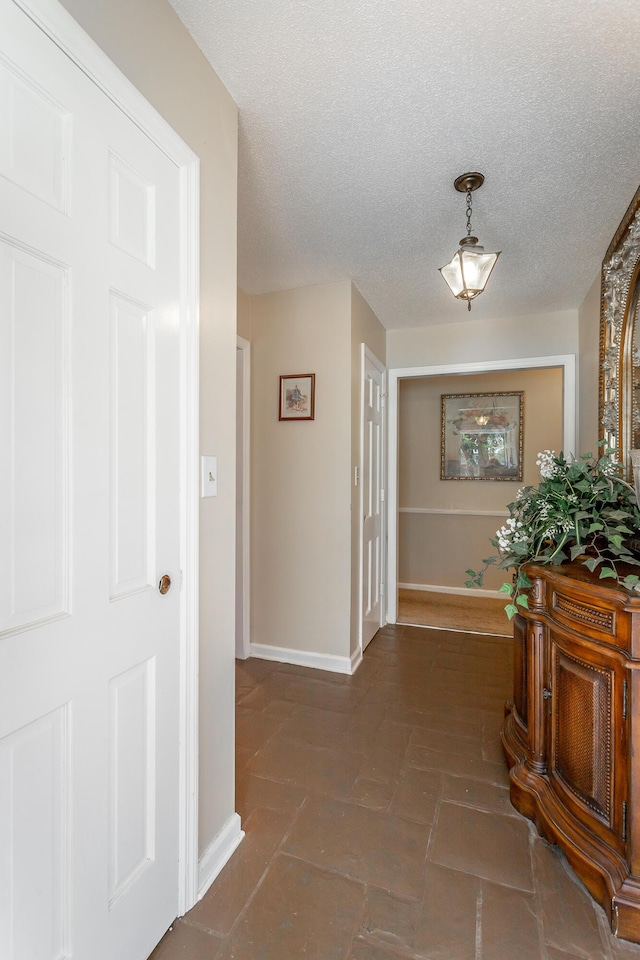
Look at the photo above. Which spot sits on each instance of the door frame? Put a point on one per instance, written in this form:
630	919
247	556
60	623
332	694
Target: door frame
65	32
367	354
568	364
245	347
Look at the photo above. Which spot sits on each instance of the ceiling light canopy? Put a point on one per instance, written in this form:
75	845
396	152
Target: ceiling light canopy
470	267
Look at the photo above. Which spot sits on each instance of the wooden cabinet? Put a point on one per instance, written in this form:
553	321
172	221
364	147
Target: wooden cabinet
573	727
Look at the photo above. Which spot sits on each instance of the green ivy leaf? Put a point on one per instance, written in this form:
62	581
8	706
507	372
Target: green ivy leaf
522	581
510	610
523	600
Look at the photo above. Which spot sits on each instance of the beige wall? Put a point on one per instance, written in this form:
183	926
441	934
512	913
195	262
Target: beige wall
367	329
300	473
588	370
539	335
436	549
244	314
304	503
170	71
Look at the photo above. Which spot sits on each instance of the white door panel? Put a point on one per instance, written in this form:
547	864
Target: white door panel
33	583
372	498
89	512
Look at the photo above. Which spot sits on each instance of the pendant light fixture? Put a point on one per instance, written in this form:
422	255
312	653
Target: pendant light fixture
470	267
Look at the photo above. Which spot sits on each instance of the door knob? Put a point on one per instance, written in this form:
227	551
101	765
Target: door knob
165	584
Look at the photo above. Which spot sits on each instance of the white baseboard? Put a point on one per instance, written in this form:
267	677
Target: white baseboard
460	591
218	852
356	659
303	658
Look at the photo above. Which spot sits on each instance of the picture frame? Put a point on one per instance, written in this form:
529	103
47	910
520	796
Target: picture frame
297	396
482	436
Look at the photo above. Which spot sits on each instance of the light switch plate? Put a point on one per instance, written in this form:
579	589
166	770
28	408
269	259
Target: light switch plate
209	477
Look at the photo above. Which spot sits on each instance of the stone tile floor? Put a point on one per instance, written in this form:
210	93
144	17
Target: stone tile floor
378	822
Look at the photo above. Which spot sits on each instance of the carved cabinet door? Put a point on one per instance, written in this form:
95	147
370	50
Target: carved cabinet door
587	734
521	657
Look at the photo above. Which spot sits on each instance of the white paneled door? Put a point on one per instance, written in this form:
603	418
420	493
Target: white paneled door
372	495
90	294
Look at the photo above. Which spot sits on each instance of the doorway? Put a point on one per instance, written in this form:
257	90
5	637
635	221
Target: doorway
243	492
412	518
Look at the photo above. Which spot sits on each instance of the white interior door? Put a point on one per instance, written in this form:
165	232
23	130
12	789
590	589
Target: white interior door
90	295
372	495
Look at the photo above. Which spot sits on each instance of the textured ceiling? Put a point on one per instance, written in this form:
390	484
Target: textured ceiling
357	115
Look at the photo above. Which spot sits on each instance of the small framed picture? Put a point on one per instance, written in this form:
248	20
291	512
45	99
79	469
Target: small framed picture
297	396
482	436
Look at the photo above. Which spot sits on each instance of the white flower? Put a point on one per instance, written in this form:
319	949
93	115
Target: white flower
547	464
510	534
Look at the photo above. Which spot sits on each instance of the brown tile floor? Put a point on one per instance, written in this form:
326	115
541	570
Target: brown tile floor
378	822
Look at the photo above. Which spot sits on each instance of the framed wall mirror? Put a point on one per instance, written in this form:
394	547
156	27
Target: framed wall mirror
619	395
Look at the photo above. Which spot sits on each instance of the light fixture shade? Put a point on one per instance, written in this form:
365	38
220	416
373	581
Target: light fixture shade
469	269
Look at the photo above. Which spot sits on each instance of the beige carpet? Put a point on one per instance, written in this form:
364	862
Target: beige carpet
449	611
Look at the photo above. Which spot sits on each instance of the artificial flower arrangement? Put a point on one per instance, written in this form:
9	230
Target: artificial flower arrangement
581	510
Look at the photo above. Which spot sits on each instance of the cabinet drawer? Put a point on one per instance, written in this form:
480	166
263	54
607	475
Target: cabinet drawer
587	615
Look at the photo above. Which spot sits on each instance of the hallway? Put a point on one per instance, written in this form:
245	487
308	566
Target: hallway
378	822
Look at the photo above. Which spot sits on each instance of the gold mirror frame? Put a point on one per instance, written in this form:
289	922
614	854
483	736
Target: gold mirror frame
619	395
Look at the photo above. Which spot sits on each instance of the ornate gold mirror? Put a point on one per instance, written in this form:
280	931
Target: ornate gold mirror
619	407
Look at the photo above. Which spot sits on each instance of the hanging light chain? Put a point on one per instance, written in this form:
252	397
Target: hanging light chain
469	215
